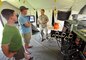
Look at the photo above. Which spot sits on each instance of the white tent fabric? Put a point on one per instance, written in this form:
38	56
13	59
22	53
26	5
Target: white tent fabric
49	4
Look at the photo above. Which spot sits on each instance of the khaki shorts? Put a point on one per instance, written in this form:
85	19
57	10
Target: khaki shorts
27	38
20	54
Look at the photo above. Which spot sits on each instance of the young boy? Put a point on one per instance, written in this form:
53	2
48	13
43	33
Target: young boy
11	40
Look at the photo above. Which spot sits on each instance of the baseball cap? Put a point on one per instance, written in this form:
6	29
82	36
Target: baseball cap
23	8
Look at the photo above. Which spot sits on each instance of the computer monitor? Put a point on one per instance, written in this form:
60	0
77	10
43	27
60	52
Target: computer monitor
31	18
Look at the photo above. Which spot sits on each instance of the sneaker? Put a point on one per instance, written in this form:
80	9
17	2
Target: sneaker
47	37
28	46
43	40
31	58
28	57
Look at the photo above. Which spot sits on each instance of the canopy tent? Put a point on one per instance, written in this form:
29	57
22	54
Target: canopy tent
48	4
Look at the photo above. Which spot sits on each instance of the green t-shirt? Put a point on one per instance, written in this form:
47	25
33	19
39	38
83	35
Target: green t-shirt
12	37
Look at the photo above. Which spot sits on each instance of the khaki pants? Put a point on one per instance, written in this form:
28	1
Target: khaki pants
27	38
42	30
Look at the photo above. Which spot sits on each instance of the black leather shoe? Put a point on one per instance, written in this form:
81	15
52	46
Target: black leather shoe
43	40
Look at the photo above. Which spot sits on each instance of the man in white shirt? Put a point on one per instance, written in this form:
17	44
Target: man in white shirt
42	21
